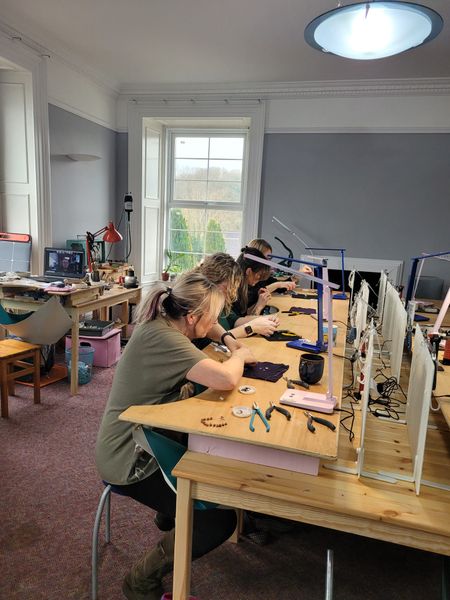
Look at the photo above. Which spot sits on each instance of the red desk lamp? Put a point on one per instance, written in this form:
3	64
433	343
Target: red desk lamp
110	235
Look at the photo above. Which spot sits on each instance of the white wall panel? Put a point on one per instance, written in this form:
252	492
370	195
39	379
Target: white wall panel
150	242
365	114
16	216
13	133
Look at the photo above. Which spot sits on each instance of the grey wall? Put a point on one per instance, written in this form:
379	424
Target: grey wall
84	194
121	189
377	195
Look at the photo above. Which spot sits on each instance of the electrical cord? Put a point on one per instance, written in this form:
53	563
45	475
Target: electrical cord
350	414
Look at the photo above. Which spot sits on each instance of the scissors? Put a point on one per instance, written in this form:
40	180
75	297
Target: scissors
256	411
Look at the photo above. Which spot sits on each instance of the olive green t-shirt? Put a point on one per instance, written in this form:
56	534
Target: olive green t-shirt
151	370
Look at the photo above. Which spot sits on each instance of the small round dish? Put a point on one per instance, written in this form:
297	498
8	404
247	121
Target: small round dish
247	389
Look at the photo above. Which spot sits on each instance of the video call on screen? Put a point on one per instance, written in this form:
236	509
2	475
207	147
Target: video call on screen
65	262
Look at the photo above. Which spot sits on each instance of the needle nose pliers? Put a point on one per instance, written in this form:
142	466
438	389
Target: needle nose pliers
312	418
256	411
273	407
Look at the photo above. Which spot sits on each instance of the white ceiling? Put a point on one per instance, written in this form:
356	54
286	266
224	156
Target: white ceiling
143	43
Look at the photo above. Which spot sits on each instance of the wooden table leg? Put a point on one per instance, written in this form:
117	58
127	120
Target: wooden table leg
124	316
183	541
37	376
74	353
4	388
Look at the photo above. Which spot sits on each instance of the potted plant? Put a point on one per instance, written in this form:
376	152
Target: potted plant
165	273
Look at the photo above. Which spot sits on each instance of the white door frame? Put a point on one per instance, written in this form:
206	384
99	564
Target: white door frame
29	60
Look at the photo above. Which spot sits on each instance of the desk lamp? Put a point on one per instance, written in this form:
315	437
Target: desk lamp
110	235
412	275
340	295
297	237
301	344
410	292
307	399
319	346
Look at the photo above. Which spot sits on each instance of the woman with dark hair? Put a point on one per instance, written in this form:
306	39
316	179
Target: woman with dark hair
227	274
258	294
156	363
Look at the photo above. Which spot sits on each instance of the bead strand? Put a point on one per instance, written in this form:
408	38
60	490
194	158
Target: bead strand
209	422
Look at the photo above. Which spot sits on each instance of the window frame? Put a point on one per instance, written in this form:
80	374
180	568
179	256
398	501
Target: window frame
164	109
169	203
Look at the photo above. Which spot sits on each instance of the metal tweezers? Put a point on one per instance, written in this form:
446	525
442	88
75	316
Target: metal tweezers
273	407
256	411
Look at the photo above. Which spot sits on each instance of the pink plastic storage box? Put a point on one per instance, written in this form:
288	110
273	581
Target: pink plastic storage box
107	347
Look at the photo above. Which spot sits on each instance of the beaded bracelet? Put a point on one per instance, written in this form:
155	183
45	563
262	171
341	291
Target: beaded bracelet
210	422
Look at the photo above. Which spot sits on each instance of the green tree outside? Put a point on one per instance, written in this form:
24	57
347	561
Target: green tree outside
214	241
181	243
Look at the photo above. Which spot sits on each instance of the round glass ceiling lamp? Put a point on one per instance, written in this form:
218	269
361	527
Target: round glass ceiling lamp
371	30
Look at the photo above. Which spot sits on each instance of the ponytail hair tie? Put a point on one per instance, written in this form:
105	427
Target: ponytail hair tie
168	290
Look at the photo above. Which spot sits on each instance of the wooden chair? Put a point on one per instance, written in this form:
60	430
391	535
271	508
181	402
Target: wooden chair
12	355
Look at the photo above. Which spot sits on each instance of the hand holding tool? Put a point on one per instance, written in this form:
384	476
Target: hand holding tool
256	411
312	418
273	407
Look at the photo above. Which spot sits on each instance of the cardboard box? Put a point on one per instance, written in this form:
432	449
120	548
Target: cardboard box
107	347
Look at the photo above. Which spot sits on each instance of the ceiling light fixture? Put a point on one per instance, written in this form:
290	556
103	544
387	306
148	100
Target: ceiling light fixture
371	30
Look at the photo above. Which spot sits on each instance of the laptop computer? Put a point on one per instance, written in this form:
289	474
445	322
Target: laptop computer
60	264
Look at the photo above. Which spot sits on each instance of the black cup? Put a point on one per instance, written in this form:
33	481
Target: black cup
311	368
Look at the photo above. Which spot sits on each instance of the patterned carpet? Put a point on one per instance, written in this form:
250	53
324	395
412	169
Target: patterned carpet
49	494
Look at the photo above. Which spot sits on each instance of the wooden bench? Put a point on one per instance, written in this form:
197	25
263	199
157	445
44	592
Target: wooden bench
340	501
12	365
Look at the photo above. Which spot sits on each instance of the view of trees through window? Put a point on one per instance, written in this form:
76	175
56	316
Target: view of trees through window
205	208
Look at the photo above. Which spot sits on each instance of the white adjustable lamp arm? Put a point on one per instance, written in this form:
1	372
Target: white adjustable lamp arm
290	231
326	286
279	267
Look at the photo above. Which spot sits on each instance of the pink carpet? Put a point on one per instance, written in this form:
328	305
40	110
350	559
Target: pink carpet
50	490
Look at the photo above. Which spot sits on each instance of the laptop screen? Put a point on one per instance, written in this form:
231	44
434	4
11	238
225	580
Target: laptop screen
59	262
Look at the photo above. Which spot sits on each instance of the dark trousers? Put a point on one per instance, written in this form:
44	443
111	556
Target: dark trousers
211	527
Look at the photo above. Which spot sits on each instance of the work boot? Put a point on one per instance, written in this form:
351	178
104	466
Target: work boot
143	582
164	522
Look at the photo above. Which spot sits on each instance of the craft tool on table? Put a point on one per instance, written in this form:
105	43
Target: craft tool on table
279	409
257	411
312	418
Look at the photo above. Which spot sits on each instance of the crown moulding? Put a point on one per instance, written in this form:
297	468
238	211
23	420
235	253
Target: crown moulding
293	89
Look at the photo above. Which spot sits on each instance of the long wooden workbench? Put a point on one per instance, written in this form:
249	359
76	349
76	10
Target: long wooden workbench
341	501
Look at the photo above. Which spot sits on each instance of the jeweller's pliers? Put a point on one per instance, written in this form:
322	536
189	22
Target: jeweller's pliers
312	418
290	382
273	407
256	410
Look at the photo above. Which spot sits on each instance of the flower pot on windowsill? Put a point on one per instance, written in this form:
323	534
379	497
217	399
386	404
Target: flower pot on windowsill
165	276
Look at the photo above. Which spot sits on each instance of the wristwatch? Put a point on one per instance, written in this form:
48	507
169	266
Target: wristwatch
224	335
248	329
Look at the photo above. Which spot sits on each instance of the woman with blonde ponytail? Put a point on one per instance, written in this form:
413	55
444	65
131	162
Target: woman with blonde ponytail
156	363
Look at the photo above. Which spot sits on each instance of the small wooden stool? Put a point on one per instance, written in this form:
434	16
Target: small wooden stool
12	353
